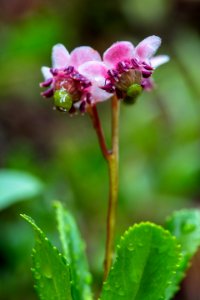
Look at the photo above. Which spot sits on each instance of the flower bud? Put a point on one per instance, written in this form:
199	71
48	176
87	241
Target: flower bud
132	93
62	100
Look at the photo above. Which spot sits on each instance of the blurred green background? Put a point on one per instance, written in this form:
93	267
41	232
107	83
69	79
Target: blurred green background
53	156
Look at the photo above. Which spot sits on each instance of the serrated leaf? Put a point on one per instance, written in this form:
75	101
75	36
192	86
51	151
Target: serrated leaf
185	225
147	256
74	251
16	186
50	269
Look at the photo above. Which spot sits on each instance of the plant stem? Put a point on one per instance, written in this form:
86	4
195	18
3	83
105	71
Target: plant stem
113	165
112	158
92	110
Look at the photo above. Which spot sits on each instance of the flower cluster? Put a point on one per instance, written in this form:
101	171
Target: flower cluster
82	78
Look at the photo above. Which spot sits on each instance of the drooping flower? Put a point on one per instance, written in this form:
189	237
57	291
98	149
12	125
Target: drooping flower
70	80
130	68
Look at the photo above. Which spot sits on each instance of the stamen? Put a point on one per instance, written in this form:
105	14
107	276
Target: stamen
146	74
82	106
46	83
123	67
134	63
114	74
48	93
69	70
54	72
147	67
88	98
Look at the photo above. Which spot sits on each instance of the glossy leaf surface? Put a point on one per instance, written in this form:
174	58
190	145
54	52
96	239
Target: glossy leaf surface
50	270
74	251
147	257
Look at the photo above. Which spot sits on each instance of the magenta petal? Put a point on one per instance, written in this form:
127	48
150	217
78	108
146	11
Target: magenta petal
83	54
60	56
95	71
159	60
118	52
147	47
46	72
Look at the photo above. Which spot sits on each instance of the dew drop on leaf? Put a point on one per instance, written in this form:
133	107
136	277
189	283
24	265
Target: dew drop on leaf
106	286
188	227
130	247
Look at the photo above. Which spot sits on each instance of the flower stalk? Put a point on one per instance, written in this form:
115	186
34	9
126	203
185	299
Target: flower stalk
112	158
113	165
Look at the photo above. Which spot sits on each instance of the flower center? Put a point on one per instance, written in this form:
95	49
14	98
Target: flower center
127	76
68	87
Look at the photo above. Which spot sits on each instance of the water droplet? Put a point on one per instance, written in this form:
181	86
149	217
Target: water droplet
188	227
37	276
121	292
130	247
106	286
117	284
47	271
140	244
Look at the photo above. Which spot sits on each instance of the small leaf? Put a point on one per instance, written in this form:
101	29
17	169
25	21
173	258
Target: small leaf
185	225
16	186
147	257
73	248
50	269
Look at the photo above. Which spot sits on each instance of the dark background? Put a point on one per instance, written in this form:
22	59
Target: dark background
159	136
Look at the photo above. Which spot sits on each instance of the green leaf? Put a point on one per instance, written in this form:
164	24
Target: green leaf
147	257
74	251
185	225
16	186
50	270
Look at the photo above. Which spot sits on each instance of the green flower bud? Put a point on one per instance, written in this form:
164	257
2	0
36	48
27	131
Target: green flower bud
63	100
132	93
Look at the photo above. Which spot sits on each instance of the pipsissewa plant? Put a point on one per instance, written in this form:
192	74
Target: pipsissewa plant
150	260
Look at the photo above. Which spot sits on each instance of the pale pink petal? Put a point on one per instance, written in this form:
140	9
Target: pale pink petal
118	52
46	72
147	47
83	54
95	71
159	60
98	94
60	56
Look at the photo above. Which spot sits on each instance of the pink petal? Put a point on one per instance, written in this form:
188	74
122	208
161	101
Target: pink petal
46	72
118	52
60	56
98	94
159	60
83	54
147	47
95	71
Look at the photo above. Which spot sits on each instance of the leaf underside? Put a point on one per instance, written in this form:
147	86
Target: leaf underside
50	270
147	257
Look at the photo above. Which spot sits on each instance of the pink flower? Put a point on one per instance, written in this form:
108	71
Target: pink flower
130	68
75	78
